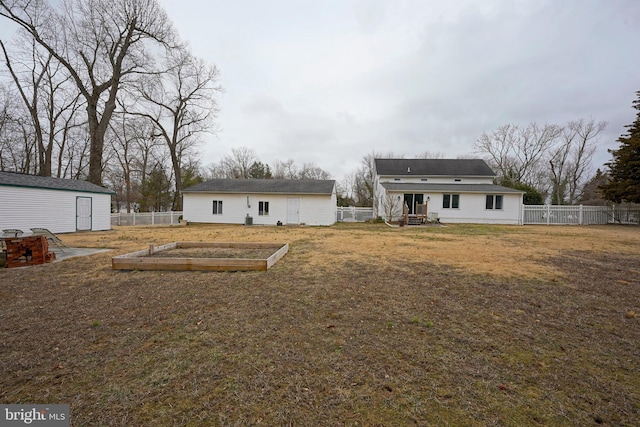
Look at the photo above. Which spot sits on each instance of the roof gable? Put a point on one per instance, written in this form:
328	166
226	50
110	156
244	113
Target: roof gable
15	179
277	186
433	167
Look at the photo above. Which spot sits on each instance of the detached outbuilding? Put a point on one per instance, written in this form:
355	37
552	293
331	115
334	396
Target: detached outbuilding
261	202
60	205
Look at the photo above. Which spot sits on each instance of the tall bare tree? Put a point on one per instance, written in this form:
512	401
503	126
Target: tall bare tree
181	104
101	44
571	159
44	91
237	165
516	152
553	159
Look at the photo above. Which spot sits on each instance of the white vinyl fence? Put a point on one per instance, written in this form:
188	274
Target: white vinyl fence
579	215
352	214
145	218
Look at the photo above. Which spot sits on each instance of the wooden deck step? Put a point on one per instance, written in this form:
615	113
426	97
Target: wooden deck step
414	220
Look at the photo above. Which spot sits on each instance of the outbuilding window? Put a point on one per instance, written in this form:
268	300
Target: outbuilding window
494	201
217	207
450	201
263	208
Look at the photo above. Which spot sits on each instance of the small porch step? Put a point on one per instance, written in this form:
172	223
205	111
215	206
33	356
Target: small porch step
414	220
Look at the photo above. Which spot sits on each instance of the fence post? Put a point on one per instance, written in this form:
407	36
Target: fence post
134	217
153	218
548	214
580	216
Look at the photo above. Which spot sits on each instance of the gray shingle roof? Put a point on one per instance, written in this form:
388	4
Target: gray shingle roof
433	167
449	188
14	179
278	186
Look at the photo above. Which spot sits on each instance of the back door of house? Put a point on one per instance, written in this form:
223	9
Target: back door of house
411	200
293	211
83	213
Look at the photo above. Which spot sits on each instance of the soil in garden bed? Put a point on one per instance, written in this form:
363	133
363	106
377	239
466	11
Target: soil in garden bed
258	253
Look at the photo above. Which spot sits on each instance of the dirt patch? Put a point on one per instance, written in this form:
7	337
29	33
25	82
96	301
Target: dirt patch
215	253
367	325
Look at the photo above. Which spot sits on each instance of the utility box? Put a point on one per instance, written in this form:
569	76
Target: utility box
248	220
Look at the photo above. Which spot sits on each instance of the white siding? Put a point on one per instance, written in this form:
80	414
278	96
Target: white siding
314	209
472	208
26	208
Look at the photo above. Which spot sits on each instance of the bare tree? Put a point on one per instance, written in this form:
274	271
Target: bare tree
582	154
100	43
181	105
311	171
125	132
362	181
391	205
516	153
553	159
431	155
285	170
45	95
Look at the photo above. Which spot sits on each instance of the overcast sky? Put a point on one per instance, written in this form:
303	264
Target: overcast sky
331	81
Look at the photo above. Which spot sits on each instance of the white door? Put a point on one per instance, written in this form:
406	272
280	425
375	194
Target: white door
83	213
293	211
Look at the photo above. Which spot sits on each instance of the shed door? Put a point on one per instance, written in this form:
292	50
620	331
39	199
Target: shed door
83	213
293	211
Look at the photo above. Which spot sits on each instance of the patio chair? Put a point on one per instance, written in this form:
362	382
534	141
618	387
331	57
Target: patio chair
52	238
11	232
7	234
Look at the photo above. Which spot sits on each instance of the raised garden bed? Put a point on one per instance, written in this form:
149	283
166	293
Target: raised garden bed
208	256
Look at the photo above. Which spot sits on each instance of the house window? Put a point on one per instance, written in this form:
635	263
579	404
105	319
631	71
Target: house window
451	201
263	208
458	180
494	201
217	207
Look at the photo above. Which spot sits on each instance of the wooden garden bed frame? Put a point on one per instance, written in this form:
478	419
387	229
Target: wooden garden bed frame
141	260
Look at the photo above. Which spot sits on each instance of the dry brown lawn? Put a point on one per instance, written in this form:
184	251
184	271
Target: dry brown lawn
358	324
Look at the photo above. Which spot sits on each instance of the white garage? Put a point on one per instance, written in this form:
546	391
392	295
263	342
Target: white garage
60	205
261	202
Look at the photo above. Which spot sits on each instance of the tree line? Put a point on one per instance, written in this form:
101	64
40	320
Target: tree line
107	91
103	90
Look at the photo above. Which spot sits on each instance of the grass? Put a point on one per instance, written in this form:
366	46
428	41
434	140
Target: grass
358	325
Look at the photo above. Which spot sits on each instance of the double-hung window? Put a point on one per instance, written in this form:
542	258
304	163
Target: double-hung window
450	201
494	201
217	207
263	208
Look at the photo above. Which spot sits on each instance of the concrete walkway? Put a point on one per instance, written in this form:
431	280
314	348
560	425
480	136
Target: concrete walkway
74	252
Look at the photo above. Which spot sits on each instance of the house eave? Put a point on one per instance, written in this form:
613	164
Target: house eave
448	187
52	188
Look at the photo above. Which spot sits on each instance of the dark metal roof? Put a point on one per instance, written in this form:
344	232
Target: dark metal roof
279	186
449	188
14	179
433	167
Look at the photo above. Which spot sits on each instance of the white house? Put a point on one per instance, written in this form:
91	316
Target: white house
456	190
261	202
60	205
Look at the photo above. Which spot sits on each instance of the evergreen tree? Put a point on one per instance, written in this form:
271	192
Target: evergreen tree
531	195
624	168
591	193
259	170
